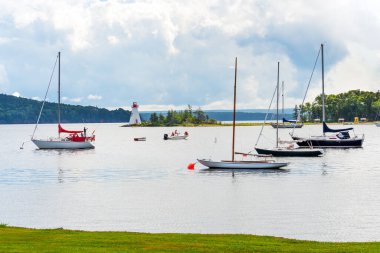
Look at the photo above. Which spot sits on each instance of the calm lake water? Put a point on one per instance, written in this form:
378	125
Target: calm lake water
145	186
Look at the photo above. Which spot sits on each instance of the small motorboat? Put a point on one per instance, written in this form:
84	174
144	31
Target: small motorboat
139	139
176	136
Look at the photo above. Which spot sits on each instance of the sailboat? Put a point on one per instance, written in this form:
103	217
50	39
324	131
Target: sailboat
290	150
233	164
342	138
293	123
73	139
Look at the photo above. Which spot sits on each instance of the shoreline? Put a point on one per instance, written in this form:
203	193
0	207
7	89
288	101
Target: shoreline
250	124
18	239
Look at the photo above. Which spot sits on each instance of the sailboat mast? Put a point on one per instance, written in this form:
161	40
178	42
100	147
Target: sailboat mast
323	87
234	115
278	98
283	110
59	91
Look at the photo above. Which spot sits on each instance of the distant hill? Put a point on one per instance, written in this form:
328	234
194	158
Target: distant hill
243	116
225	115
17	110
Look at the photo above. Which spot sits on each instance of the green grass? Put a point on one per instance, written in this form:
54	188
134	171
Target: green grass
14	239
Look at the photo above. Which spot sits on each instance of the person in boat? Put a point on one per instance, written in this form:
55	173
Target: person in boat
186	133
343	135
175	132
84	131
290	147
172	133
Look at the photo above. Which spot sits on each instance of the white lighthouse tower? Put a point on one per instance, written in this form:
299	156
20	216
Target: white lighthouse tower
135	116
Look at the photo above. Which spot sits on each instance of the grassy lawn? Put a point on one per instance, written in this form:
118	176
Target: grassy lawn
14	239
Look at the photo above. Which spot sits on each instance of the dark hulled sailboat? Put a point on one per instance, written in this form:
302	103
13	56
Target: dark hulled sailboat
341	138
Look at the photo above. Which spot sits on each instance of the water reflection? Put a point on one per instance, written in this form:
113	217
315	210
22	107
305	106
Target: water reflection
60	175
216	171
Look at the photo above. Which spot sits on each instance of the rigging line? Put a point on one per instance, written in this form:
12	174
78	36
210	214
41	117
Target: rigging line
43	103
262	127
307	88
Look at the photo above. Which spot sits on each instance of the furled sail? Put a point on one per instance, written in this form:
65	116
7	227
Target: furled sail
326	129
287	120
62	130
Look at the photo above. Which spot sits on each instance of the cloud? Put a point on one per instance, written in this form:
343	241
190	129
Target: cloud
4	82
159	107
16	94
6	40
72	100
94	97
113	40
358	70
173	53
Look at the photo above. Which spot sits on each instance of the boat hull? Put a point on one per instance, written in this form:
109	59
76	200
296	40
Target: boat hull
174	138
290	152
287	125
329	143
59	144
241	164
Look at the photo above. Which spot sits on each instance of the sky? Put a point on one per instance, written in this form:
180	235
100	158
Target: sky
171	53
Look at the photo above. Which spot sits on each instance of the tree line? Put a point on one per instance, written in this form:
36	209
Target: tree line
348	105
175	118
17	110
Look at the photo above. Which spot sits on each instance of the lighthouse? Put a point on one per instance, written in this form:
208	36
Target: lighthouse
135	116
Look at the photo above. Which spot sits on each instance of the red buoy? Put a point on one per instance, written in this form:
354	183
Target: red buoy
191	166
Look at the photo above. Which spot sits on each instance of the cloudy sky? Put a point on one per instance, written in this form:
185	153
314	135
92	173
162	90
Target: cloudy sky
170	53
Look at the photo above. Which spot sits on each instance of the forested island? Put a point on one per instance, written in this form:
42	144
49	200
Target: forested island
18	110
176	118
348	105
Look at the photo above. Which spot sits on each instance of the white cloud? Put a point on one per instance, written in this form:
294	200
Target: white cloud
113	40
6	40
3	77
358	70
76	100
16	94
94	97
172	52
158	107
73	100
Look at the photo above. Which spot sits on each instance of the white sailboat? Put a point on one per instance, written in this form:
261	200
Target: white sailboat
233	164
73	139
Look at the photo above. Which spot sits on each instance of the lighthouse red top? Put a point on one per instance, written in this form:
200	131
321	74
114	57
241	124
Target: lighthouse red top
135	105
